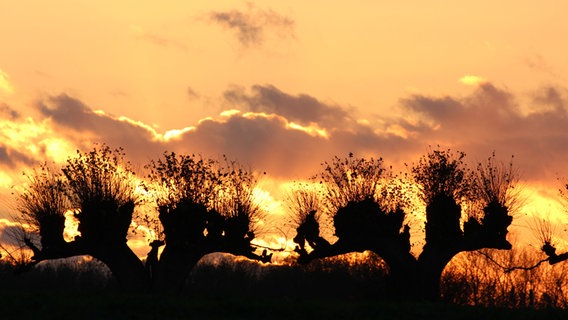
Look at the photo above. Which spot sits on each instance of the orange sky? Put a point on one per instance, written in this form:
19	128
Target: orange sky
310	79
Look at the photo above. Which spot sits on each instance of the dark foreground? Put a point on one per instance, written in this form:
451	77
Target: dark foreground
123	306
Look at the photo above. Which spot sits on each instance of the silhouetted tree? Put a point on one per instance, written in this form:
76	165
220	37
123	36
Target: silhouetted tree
369	207
545	233
202	207
97	187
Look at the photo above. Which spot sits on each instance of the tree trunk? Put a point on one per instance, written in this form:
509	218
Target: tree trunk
125	266
431	264
414	285
173	269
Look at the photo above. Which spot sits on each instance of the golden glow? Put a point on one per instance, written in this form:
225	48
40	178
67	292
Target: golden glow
398	130
267	201
21	134
71	224
177	133
58	149
230	113
5	180
541	202
313	130
470	80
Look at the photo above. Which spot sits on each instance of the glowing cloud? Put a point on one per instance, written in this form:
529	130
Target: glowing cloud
177	133
313	130
470	80
5	180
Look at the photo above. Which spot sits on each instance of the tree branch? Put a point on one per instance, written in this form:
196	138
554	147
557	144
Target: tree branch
511	269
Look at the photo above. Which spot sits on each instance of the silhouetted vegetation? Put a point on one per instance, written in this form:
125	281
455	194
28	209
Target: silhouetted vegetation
202	207
222	286
369	205
204	215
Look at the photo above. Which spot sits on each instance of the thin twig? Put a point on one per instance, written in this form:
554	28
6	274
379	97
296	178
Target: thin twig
268	248
511	269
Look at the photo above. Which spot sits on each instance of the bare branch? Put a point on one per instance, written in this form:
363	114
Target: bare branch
511	269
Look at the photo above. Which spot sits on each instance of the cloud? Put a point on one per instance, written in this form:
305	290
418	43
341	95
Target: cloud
251	26
270	143
492	118
12	158
285	144
10	233
8	112
290	135
83	125
302	108
23	141
471	80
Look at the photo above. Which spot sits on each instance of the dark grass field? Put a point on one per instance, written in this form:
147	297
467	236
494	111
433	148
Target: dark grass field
230	290
124	306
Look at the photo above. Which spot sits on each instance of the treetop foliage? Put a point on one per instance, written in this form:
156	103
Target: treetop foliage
43	197
226	187
355	179
302	201
351	179
101	175
185	178
495	182
443	173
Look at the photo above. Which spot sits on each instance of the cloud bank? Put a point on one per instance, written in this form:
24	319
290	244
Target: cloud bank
290	135
532	129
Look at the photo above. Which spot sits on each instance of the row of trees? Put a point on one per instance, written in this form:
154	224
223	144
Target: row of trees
204	206
368	206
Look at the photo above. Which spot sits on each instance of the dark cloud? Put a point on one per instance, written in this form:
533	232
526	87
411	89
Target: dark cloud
84	126
10	233
493	119
7	112
489	119
302	108
438	109
12	158
266	142
261	142
252	25
550	99
68	111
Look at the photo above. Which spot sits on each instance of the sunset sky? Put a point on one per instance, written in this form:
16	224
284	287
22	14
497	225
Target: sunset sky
285	85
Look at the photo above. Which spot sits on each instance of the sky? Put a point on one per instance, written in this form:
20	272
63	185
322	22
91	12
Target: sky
284	85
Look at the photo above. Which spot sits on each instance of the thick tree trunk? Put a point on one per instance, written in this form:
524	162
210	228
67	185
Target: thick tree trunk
414	285
412	279
173	268
431	264
125	266
403	271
